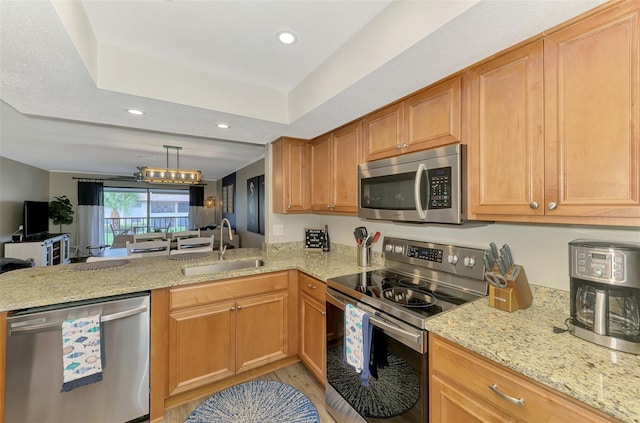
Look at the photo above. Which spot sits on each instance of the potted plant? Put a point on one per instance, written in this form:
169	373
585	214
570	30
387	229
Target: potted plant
61	211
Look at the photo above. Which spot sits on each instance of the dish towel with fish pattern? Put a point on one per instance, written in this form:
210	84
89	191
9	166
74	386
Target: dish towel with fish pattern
357	341
81	354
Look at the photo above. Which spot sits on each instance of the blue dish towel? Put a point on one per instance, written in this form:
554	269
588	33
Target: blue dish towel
81	352
357	341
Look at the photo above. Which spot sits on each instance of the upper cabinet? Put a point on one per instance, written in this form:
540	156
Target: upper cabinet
552	126
290	175
592	116
334	170
427	119
505	134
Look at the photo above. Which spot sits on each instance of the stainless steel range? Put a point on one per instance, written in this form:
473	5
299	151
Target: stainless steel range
419	280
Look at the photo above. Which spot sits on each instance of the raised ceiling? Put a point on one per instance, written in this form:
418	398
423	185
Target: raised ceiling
69	69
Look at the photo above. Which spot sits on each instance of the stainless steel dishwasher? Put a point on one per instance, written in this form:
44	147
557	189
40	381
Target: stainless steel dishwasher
34	364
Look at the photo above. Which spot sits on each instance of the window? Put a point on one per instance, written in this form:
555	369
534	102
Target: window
139	210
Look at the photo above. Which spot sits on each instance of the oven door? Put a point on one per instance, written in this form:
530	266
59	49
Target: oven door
397	390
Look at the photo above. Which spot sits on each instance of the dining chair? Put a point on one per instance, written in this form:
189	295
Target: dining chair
199	243
149	248
149	236
185	234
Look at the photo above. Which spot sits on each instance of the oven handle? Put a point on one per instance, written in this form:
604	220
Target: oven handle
341	302
416	191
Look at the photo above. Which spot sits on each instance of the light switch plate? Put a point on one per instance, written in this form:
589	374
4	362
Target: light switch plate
278	230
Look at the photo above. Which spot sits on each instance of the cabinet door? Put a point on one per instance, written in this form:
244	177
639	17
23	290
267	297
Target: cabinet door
592	115
313	336
261	330
321	173
384	131
432	117
450	402
346	155
201	346
506	145
290	175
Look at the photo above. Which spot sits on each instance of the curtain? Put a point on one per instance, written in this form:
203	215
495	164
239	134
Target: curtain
196	206
90	226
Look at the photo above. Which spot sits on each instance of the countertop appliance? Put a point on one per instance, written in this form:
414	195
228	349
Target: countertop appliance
34	364
419	280
426	187
605	293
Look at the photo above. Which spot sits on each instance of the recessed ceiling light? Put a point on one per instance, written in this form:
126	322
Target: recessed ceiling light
287	37
135	112
222	126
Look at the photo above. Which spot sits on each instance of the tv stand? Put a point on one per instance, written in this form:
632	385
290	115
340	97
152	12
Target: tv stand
45	249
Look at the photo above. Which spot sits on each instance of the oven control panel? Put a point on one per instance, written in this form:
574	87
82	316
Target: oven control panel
462	261
606	265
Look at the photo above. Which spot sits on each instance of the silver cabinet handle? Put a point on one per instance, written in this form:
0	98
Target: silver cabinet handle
516	401
239	307
232	308
398	147
311	286
404	145
288	206
552	206
324	313
328	206
533	205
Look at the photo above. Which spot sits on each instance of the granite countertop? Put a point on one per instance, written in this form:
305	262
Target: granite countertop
40	286
524	341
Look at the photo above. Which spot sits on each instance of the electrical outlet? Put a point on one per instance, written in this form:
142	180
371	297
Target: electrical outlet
278	230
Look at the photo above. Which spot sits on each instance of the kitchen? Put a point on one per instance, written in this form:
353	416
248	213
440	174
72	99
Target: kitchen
532	243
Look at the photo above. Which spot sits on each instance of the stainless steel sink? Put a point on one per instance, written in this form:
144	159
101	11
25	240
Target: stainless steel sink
222	267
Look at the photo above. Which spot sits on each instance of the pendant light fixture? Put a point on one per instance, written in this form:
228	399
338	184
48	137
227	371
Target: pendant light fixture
169	175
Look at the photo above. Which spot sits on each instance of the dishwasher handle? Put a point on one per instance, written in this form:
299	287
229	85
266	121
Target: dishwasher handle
45	327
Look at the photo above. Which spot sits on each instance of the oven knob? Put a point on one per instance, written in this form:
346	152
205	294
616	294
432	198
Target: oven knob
469	261
453	259
388	248
398	249
598	272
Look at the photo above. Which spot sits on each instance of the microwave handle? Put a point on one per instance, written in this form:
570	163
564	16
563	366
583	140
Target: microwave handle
416	191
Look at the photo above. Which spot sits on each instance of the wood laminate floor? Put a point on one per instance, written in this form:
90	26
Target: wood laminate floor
295	375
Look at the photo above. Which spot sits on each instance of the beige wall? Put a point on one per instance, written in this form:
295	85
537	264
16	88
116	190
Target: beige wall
249	239
18	182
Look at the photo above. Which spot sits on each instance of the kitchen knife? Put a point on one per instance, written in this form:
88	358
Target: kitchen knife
501	266
491	257
506	260
507	253
487	262
494	250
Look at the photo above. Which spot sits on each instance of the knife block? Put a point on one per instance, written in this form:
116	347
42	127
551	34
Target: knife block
516	295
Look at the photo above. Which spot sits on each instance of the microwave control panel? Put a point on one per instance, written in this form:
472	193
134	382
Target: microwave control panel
598	265
439	188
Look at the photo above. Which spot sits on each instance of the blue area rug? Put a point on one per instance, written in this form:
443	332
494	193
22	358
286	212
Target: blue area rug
257	401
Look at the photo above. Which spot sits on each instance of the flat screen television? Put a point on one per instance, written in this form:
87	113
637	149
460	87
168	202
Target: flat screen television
35	219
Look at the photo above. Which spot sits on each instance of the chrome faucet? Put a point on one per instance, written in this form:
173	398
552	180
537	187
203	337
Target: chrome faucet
223	247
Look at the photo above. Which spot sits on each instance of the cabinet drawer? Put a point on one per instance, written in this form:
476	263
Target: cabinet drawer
477	375
209	292
312	287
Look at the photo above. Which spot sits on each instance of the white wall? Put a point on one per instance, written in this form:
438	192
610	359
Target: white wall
247	239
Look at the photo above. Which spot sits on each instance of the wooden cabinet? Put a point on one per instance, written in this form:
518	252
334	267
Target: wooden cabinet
553	126
467	387
313	333
222	328
45	252
290	182
506	121
334	170
427	119
592	116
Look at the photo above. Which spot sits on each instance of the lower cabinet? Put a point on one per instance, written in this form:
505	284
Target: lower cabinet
219	329
465	387
313	332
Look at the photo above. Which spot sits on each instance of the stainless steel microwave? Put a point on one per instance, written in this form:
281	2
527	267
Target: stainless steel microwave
424	187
